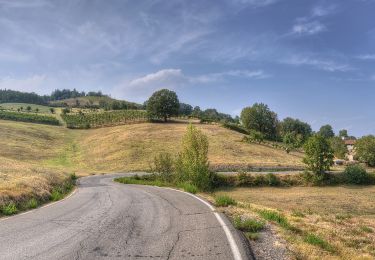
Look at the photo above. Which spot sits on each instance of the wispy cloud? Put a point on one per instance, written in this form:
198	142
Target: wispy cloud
321	64
254	3
366	57
309	28
248	74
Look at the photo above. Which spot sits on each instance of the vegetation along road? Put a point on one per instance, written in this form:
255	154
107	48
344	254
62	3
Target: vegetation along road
115	221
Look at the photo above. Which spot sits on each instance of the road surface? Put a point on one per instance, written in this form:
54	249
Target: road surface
108	220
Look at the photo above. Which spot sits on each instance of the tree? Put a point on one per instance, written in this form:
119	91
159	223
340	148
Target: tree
192	162
339	147
52	110
185	109
196	112
343	133
290	126
326	131
365	150
260	118
292	141
163	104
318	155
28	108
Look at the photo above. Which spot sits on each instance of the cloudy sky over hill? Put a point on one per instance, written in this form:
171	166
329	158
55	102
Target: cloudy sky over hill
314	60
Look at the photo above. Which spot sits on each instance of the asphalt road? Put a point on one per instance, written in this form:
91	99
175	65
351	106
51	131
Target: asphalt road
108	220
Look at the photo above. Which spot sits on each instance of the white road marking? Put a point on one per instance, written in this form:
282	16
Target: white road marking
235	251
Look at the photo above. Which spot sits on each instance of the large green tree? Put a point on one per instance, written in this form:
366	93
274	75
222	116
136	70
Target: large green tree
260	118
163	104
365	150
296	127
318	155
339	147
326	131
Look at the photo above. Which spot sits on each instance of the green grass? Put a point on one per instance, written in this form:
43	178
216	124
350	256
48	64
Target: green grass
248	225
188	187
141	181
32	204
56	194
366	229
15	106
315	240
9	209
276	217
224	201
252	235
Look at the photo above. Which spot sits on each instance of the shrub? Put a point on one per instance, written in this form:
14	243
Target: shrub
259	180
163	167
243	179
192	162
318	155
356	174
56	194
365	150
272	179
236	128
248	225
9	209
255	137
224	201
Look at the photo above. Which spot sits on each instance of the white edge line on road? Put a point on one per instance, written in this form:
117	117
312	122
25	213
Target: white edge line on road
235	251
45	206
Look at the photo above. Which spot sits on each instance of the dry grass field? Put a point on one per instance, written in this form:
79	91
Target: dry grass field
344	216
133	147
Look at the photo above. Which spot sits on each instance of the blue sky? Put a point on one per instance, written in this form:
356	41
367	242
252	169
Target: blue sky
313	60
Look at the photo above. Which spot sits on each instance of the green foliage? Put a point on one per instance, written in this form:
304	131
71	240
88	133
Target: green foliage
356	174
248	225
292	141
326	131
163	104
224	201
212	115
142	180
192	162
318	155
52	110
12	96
188	187
261	119
56	194
106	118
163	167
365	150
338	146
296	128
343	133
32	204
318	241
252	235
236	127
185	109
255	137
9	209
275	216
27	117
272	179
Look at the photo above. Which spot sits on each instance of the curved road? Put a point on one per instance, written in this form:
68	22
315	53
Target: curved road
108	220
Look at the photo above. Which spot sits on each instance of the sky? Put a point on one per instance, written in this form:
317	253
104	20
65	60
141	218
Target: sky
308	59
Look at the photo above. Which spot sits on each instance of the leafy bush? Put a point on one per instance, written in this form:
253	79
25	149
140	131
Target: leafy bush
255	137
318	155
356	174
192	162
365	150
9	209
224	201
236	128
56	194
272	179
163	167
339	147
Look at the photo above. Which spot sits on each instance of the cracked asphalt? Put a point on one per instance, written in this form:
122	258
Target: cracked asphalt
108	220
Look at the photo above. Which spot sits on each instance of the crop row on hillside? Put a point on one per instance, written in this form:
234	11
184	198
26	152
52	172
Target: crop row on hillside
107	118
28	117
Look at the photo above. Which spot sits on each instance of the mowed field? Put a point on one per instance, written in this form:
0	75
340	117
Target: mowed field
344	216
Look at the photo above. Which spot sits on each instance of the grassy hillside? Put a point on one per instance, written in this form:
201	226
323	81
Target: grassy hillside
133	147
26	152
88	101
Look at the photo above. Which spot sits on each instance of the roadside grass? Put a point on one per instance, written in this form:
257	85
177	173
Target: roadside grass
224	201
142	181
317	222
9	209
188	187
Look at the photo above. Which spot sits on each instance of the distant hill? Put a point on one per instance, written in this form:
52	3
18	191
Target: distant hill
96	101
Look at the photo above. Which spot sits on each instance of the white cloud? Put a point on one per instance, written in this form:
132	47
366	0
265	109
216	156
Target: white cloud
320	11
29	84
256	74
167	78
366	57
326	65
309	28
